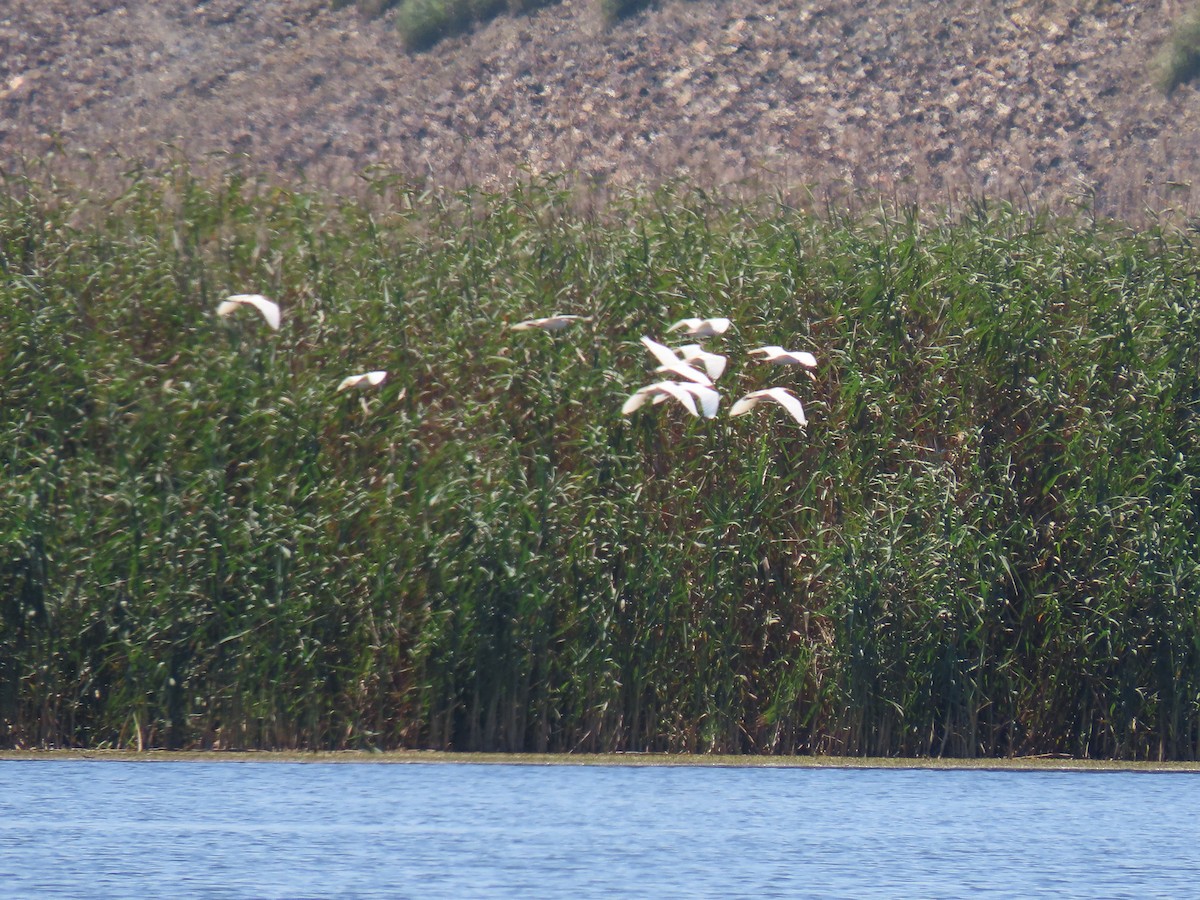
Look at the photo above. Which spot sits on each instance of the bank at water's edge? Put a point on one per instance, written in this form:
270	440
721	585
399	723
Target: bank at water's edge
700	760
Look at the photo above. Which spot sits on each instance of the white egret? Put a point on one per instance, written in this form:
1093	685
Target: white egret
374	379
673	364
660	391
779	356
268	308
780	395
701	327
548	323
687	393
714	363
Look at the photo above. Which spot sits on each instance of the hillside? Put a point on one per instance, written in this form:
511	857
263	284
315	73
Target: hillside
1039	99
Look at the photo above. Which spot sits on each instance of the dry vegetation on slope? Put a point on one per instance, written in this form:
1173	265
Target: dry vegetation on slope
1045	99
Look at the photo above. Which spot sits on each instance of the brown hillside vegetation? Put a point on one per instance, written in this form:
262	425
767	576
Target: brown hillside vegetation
1036	100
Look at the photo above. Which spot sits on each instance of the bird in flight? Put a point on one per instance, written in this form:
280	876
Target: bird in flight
714	363
780	395
374	379
779	356
268	308
686	393
548	323
701	327
669	362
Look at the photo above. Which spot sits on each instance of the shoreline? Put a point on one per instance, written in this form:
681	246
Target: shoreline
661	760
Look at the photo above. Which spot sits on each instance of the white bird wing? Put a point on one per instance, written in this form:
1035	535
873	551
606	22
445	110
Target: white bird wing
373	378
702	327
714	363
543	323
664	354
268	308
638	399
547	323
683	370
789	402
688	324
557	323
786	357
709	398
679	392
658	392
768	352
745	404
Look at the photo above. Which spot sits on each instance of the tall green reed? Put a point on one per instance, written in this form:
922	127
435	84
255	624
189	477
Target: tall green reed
980	545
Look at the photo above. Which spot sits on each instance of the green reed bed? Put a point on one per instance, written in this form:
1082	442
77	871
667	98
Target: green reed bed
983	544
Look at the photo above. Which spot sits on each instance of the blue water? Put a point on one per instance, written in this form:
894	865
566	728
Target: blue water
84	829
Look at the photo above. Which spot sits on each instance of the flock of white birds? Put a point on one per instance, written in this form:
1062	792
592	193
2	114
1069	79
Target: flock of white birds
694	368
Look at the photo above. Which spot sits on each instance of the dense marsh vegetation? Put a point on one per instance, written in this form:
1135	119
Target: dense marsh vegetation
984	543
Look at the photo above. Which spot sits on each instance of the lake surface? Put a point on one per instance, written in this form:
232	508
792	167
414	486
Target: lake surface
104	829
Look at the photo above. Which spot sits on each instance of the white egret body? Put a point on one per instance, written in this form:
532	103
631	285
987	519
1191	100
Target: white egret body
374	379
268	308
780	395
779	356
701	327
549	323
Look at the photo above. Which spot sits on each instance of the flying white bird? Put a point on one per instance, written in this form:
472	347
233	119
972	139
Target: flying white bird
661	352
780	395
708	397
686	394
779	356
672	363
374	379
701	327
683	370
549	323
268	308
714	363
